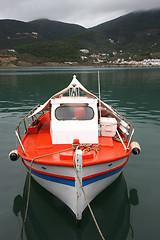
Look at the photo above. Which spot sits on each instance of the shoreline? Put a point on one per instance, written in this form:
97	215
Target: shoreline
54	64
10	59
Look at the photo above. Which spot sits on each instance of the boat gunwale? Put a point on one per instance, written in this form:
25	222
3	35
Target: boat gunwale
69	163
70	178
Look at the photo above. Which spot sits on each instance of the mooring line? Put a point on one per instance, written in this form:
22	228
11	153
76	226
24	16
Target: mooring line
29	185
85	196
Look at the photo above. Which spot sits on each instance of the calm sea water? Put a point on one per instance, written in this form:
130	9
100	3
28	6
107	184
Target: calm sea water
129	208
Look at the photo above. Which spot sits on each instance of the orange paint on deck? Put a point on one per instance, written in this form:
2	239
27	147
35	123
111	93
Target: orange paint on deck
40	143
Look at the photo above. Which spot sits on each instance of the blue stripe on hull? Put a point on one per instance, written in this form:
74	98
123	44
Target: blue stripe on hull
71	182
100	177
55	179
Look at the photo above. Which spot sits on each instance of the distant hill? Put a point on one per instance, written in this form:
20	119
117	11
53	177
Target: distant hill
14	33
136	31
135	35
134	21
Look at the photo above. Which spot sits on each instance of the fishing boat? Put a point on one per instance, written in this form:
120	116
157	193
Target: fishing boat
75	145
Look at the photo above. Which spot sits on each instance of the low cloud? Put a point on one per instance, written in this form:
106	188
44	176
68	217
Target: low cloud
87	13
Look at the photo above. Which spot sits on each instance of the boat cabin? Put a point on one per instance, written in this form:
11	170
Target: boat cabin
74	118
77	116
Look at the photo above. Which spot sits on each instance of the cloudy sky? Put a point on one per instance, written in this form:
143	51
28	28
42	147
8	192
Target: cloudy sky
87	13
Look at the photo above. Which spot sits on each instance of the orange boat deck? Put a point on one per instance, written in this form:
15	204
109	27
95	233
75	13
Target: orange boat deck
38	144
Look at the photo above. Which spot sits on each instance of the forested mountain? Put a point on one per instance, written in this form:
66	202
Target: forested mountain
135	32
134	21
134	35
13	32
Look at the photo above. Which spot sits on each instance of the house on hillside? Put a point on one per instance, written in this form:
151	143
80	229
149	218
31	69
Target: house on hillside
84	50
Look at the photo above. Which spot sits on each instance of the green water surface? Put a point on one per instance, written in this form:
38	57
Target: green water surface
129	208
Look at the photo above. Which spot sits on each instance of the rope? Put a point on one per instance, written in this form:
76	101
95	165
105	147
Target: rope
85	196
29	185
86	147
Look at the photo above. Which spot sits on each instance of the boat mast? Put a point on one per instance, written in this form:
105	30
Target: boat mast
99	93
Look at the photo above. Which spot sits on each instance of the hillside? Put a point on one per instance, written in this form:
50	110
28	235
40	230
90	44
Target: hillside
135	32
134	21
14	33
133	36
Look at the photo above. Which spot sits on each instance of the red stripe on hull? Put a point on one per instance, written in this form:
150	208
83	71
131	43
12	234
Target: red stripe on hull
49	174
101	173
72	178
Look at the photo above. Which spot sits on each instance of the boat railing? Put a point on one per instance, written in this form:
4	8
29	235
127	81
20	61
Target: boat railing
24	124
127	129
124	125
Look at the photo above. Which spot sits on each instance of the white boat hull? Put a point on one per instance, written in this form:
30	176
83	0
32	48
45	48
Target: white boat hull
60	181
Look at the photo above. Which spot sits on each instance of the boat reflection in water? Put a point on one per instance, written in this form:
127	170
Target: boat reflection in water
48	217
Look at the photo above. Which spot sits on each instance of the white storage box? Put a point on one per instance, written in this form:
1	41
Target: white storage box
108	126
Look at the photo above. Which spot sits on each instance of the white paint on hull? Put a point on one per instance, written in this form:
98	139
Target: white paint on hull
68	194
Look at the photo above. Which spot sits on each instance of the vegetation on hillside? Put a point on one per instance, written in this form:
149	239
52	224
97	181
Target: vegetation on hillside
58	51
133	36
